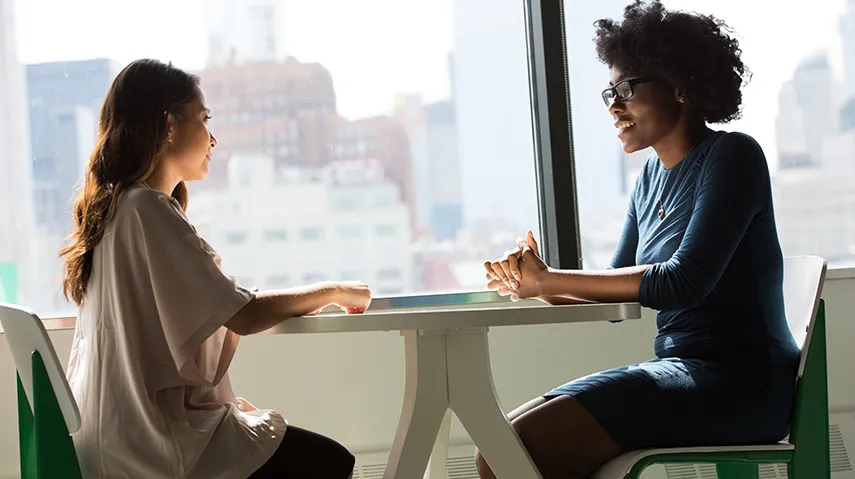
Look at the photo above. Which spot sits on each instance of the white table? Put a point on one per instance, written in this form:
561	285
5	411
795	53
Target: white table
448	369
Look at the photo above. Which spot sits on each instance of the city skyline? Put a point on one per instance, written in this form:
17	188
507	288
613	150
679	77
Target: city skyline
355	40
447	150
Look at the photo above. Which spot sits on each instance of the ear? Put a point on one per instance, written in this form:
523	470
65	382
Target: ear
679	96
171	126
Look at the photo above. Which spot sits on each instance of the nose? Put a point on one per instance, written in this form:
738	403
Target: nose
213	140
617	107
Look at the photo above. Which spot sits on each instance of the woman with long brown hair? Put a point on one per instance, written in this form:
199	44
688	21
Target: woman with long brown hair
158	321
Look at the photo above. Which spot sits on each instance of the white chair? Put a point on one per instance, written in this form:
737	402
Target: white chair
47	411
807	451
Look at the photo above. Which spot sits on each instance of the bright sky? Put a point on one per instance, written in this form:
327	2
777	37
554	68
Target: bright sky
374	48
377	48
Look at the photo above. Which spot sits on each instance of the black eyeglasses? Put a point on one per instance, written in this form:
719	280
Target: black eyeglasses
623	90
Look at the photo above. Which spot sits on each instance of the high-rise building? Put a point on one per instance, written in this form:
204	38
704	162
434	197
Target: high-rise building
790	131
385	139
287	226
847	36
806	113
446	207
64	102
16	212
245	31
410	112
287	111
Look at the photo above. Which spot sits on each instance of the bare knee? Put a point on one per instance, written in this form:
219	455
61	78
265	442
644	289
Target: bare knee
562	438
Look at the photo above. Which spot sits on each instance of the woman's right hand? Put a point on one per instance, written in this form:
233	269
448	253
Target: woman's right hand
507	268
353	297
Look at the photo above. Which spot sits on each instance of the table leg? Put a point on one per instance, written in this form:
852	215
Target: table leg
425	405
439	456
473	399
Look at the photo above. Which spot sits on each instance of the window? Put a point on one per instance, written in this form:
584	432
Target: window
350	232
311	234
278	281
235	238
385	231
275	236
429	158
309	278
352	276
388	274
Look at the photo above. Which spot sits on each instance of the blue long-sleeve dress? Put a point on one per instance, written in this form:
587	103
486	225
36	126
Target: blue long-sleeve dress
725	362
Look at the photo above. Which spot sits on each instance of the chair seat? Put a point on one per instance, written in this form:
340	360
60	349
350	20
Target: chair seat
620	466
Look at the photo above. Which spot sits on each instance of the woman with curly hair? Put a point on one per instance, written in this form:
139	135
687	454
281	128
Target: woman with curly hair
699	245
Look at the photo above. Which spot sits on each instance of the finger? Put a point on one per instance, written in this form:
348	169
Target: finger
500	273
503	291
514	267
531	242
528	254
515	298
495	284
508	274
488	265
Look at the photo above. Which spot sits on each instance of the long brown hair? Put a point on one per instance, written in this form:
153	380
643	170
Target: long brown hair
132	132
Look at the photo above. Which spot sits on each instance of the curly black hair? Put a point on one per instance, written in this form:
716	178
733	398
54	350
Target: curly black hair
694	52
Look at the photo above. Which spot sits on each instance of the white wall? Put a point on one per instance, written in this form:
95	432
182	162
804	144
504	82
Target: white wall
351	386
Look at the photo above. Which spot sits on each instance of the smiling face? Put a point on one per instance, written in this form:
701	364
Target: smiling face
649	115
189	151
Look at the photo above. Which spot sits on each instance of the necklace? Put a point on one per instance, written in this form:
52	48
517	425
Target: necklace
661	212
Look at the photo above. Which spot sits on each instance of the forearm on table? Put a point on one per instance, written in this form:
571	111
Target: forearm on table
607	286
271	307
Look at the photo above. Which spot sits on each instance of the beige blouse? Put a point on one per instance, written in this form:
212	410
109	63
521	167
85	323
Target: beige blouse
150	357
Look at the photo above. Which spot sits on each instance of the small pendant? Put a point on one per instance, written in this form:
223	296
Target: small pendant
661	213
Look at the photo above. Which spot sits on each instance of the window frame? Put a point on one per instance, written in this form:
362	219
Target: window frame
552	127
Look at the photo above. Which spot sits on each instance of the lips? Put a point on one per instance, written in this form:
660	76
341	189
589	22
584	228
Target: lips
624	126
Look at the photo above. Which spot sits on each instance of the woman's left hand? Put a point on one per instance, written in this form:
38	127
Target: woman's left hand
527	273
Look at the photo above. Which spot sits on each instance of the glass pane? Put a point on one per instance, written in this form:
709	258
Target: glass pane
799	105
329	114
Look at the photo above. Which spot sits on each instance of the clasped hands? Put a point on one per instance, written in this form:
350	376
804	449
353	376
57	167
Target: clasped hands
520	272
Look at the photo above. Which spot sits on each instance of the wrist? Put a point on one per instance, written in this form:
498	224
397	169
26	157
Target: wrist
544	282
330	292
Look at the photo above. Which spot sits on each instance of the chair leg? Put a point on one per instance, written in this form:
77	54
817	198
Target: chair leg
737	470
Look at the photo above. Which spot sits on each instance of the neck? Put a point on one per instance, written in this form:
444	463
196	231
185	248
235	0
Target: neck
676	145
163	181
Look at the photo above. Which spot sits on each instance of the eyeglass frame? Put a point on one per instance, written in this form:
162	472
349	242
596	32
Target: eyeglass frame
631	82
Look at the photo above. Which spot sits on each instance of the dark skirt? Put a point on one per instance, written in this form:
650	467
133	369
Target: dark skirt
675	402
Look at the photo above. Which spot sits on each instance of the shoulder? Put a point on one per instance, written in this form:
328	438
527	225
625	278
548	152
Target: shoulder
147	207
649	169
148	201
737	147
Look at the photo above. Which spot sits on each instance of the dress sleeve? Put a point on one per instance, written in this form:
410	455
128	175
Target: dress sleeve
731	191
